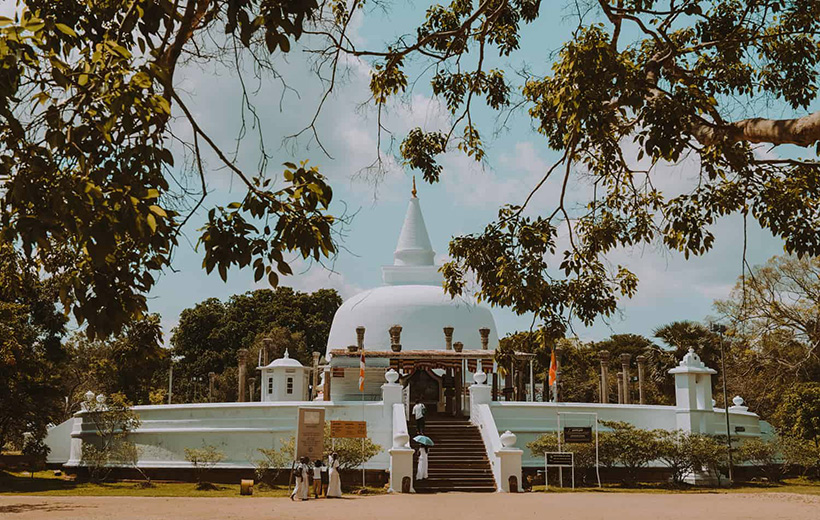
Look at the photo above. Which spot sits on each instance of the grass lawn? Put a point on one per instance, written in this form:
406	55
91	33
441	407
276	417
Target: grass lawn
44	483
794	485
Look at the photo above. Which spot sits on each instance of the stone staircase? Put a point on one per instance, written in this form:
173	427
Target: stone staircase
458	461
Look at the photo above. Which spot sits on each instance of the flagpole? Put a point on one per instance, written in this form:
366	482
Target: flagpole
362	366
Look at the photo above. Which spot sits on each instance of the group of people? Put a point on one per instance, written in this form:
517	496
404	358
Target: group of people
323	478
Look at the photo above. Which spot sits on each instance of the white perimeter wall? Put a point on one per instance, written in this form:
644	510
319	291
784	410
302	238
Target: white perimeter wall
236	429
530	420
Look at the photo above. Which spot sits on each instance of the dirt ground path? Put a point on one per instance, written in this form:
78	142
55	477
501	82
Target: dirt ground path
451	506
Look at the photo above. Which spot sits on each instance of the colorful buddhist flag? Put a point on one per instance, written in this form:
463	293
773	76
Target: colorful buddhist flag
552	368
361	371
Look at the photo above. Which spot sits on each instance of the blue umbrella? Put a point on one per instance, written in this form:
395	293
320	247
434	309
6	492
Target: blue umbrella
423	439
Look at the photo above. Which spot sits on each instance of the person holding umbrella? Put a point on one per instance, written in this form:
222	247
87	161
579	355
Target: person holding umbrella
424	444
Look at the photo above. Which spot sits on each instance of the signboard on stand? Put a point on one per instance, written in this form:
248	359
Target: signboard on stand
310	433
348	429
577	435
558	460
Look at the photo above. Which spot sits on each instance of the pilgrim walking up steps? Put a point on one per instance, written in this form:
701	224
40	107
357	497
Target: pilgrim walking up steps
458	461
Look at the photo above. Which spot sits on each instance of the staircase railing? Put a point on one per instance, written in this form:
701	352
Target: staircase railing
482	417
401	455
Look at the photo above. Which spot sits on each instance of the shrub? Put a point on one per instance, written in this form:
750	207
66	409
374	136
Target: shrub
37	451
800	454
763	455
685	452
203	460
629	447
110	419
268	468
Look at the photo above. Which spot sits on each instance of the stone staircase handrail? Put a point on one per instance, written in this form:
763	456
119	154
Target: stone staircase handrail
482	416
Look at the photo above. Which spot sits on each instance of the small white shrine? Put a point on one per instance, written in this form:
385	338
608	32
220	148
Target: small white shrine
285	379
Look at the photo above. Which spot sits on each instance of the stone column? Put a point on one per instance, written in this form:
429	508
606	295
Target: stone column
360	337
242	357
641	365
485	337
603	355
326	389
448	338
620	388
459	375
558	352
314	386
267	350
211	384
625	370
252	383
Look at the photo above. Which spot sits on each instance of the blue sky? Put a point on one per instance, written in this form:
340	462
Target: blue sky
465	201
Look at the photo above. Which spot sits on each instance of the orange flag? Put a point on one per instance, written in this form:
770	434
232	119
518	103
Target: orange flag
552	368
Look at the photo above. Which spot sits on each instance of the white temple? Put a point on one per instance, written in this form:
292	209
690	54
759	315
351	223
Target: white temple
419	346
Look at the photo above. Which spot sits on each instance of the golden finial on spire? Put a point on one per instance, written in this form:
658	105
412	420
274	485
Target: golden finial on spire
414	187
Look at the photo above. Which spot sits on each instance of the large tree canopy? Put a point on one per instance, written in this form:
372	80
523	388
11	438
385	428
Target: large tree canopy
210	334
669	80
87	89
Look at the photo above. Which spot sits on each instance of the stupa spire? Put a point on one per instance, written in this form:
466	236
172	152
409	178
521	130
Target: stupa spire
414	247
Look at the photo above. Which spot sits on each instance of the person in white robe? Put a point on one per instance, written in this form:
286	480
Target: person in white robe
421	471
301	489
334	488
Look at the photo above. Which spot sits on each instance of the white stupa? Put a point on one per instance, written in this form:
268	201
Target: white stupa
412	296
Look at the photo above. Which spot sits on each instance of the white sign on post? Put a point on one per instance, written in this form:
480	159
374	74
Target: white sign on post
558	460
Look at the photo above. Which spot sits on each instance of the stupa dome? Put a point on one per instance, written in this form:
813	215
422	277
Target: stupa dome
412	297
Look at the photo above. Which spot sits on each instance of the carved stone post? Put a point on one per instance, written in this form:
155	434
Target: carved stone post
242	357
485	337
604	357
641	365
625	370
360	337
558	352
448	338
620	388
267	350
211	384
326	389
395	338
252	383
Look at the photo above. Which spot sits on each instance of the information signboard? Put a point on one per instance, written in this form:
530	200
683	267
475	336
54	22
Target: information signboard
559	459
310	433
577	435
348	429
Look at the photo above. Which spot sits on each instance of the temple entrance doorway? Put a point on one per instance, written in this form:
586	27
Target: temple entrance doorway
425	387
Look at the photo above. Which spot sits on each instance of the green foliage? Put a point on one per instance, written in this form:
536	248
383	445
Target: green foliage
638	86
210	334
772	344
132	362
86	95
629	447
584	453
31	328
273	461
763	455
111	419
799	412
38	452
685	452
203	460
